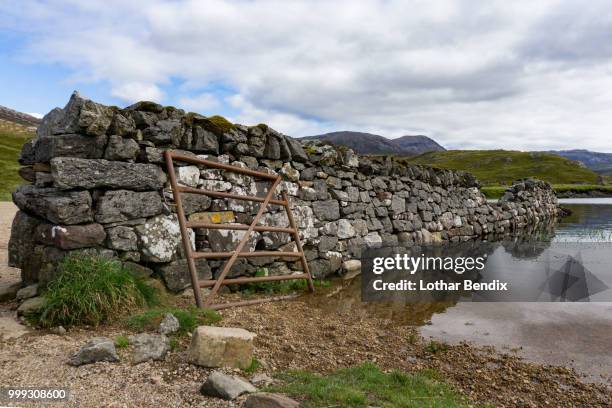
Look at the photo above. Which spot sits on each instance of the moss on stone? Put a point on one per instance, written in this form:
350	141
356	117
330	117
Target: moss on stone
192	118
147	106
262	126
220	125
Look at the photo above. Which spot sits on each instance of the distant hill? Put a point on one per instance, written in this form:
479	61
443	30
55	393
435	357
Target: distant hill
502	167
20	118
15	129
418	144
599	162
368	143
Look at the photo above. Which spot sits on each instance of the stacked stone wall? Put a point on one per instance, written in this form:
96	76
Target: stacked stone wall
98	184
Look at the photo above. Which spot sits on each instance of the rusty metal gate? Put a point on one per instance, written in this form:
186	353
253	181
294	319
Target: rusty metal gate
191	254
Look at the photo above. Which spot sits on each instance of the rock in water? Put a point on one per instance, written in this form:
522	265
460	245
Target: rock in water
222	347
169	325
149	347
226	386
268	400
97	349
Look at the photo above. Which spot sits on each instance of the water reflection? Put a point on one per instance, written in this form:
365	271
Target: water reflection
589	222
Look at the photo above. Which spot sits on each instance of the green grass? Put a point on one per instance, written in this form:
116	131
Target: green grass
92	290
174	344
435	347
188	319
366	385
253	367
12	138
122	342
279	287
503	167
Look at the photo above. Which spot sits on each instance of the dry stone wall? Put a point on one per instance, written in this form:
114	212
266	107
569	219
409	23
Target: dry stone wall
98	184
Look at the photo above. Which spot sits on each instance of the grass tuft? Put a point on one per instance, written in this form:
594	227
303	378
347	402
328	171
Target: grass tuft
122	342
279	287
253	367
188	319
91	290
435	347
367	385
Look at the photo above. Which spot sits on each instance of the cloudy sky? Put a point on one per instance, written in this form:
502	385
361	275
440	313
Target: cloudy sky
516	75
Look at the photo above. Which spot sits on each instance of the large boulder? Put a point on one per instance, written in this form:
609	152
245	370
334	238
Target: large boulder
96	349
57	206
123	205
71	172
222	347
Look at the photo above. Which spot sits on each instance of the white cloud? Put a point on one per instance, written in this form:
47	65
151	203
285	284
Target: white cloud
480	74
202	103
137	91
36	115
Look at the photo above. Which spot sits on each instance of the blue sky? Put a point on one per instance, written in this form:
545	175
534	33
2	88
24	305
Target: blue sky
471	74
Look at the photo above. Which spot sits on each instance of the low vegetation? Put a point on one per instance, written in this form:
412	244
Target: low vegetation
188	319
279	287
12	138
367	385
122	342
503	167
90	290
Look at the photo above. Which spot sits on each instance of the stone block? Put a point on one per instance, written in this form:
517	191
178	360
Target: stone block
123	205
57	206
70	236
70	172
222	347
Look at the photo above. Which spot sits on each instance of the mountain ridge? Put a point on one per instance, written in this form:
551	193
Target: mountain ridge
369	143
20	118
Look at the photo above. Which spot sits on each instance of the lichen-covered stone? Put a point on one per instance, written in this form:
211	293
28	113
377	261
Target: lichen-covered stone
159	238
59	207
120	148
122	238
123	205
69	145
84	173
